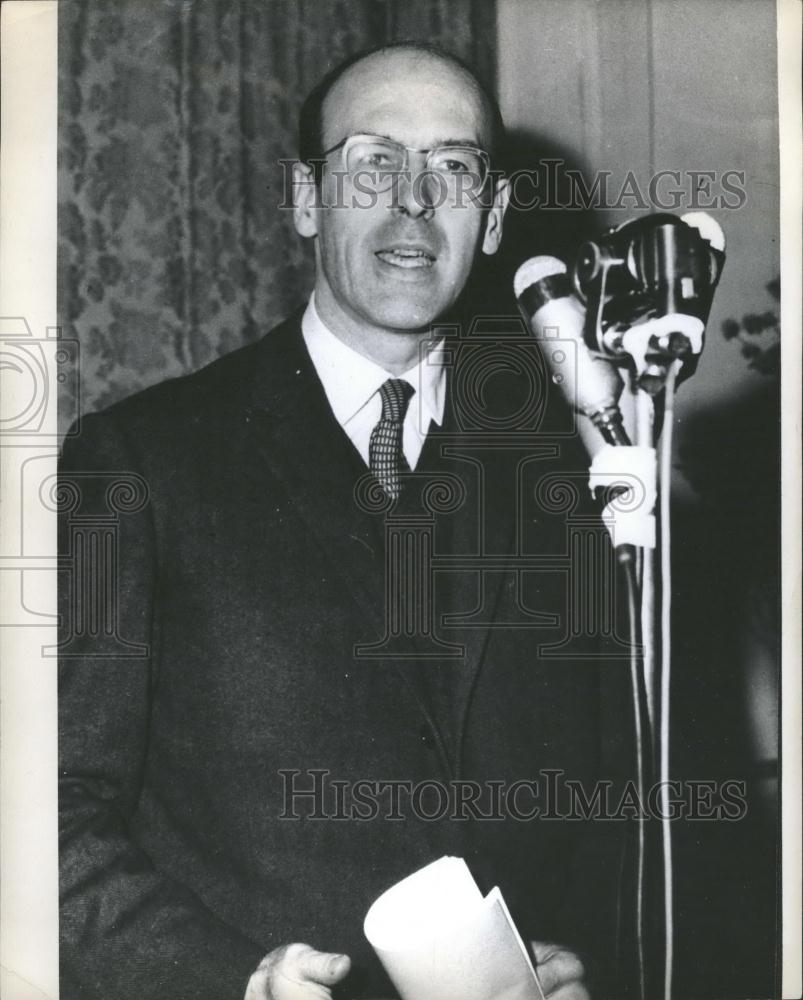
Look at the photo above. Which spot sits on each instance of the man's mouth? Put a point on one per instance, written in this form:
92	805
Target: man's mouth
409	257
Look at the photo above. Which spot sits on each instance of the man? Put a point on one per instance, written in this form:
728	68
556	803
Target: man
255	587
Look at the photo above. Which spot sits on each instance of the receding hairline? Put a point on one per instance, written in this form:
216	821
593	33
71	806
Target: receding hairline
311	115
415	53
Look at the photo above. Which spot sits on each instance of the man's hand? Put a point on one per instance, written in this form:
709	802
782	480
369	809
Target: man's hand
560	972
297	972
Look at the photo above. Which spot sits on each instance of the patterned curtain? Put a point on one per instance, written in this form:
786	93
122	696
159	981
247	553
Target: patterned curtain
175	117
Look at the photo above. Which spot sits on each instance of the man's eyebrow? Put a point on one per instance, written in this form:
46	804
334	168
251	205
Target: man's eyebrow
461	142
440	142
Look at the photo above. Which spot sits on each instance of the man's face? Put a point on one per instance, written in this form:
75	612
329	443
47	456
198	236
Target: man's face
395	261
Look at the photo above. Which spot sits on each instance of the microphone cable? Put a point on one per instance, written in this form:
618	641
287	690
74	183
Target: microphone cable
627	560
665	459
645	423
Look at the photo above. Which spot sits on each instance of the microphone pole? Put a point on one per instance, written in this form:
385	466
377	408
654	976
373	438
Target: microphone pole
647	287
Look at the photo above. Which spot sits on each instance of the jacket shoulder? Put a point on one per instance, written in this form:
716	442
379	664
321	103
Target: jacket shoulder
210	392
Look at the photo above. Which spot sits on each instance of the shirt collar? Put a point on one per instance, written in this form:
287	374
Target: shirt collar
350	379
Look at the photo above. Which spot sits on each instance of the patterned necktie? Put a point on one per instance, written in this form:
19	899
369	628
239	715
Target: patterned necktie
385	454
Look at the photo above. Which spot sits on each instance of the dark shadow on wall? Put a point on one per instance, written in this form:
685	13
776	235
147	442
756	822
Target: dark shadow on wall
726	665
545	217
537	222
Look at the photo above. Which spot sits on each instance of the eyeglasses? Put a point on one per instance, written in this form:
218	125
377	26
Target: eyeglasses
376	161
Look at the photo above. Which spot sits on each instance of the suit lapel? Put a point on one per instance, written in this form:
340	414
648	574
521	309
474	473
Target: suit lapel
295	434
479	527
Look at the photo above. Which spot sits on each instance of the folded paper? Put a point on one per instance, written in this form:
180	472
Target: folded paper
440	939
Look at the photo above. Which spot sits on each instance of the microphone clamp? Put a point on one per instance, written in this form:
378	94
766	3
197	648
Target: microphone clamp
648	286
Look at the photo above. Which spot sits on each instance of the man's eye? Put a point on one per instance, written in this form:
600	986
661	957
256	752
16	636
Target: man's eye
454	167
376	160
373	159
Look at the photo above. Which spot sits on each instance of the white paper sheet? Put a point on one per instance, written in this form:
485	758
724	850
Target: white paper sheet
439	939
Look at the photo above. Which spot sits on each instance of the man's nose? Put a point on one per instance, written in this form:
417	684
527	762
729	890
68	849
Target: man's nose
416	193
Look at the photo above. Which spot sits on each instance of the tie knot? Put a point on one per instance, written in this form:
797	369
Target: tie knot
395	394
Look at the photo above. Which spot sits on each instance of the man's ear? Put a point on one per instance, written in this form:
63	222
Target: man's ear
305	200
496	215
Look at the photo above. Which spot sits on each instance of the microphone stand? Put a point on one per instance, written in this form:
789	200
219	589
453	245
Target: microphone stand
656	631
644	552
653	279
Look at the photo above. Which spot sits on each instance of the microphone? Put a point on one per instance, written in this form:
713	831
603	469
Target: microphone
592	385
707	227
711	234
648	286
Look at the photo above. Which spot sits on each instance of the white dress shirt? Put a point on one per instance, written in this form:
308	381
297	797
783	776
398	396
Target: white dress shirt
351	383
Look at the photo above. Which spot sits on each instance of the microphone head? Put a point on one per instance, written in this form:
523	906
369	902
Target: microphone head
707	227
536	269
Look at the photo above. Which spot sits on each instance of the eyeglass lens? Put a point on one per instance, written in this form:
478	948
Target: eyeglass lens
380	159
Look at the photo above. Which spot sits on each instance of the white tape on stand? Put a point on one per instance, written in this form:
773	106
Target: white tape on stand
629	516
636	339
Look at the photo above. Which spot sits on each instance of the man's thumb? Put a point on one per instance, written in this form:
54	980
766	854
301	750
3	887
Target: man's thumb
322	967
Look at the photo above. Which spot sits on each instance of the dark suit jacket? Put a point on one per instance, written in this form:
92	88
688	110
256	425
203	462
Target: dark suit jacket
248	575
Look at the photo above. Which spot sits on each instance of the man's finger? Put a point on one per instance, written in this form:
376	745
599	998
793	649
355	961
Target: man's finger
297	972
556	967
321	967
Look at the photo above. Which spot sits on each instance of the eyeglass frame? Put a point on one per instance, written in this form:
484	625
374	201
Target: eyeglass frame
484	155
